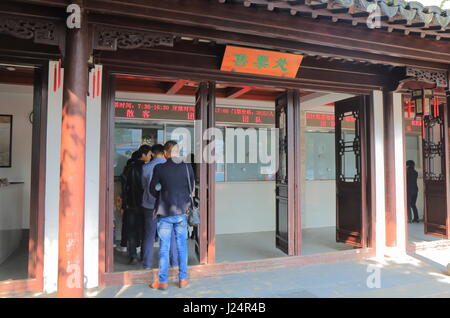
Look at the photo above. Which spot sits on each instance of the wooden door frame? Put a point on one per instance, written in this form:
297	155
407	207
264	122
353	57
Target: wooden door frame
35	280
108	277
411	247
106	209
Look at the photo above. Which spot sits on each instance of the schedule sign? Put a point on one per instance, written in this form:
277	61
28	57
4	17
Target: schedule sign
321	120
413	127
140	110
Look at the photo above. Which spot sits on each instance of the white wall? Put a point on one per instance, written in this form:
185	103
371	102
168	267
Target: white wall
17	100
54	118
319	209
11	198
245	207
92	188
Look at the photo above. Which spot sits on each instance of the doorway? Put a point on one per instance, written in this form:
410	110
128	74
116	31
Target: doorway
426	145
147	111
23	111
248	206
335	173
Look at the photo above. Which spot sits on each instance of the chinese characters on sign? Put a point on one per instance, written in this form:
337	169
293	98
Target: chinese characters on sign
244	60
327	121
413	127
135	110
319	120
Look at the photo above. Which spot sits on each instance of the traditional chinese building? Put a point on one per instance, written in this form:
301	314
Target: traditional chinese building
353	89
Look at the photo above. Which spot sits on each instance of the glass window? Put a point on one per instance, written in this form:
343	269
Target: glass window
320	156
413	150
129	139
244	162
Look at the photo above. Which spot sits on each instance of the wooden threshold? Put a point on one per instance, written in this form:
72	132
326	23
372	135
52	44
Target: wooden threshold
11	288
215	270
428	245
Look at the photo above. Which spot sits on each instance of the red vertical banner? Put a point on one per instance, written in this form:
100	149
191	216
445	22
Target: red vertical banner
55	78
94	82
408	102
98	82
423	127
436	105
59	73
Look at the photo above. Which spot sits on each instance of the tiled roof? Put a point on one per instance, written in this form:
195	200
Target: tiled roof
396	15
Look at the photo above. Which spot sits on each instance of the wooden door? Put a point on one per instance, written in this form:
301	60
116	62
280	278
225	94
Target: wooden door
285	205
204	234
435	156
351	171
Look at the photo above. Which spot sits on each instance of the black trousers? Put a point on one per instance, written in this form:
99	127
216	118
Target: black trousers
135	231
412	209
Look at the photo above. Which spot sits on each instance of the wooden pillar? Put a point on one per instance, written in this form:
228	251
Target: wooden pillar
211	179
389	153
73	147
297	174
395	179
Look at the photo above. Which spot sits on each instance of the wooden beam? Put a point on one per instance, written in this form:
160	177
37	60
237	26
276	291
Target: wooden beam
279	26
227	37
237	92
173	89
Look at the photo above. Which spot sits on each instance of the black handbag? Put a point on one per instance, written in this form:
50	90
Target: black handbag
193	213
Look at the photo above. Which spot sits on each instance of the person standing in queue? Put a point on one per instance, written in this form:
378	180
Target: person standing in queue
174	201
412	191
149	204
133	195
124	198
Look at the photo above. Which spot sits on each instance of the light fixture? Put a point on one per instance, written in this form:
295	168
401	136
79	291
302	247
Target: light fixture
422	98
11	69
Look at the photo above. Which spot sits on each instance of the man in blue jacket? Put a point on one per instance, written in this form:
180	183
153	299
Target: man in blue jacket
149	203
174	201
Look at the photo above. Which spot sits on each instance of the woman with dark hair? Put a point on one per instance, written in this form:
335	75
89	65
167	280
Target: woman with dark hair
412	191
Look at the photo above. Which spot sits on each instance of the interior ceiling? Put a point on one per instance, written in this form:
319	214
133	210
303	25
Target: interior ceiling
13	74
128	83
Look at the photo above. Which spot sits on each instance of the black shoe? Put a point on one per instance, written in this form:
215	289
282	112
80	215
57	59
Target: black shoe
409	222
133	261
416	221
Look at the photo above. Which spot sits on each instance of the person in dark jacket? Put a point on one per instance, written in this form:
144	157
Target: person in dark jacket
123	180
174	200
132	200
412	191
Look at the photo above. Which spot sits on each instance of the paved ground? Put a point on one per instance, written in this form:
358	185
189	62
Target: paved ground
423	275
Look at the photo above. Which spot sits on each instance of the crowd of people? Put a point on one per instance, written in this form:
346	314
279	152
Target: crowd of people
156	195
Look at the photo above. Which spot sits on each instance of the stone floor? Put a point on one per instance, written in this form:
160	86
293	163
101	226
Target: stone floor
416	234
423	275
249	247
16	265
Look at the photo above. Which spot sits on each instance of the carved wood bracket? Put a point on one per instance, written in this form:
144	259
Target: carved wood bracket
440	78
40	31
111	39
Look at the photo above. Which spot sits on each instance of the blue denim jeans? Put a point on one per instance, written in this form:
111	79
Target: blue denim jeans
149	240
166	226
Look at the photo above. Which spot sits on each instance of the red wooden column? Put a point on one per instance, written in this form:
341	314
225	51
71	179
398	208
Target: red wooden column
73	147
